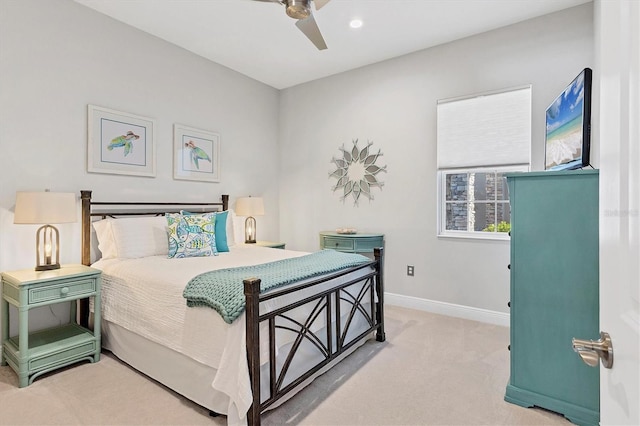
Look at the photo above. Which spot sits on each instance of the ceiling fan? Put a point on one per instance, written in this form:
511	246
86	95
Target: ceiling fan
301	10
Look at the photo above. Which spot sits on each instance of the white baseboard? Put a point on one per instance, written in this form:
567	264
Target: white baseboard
450	309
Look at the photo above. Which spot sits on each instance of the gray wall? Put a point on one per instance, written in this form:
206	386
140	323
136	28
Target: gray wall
57	56
393	104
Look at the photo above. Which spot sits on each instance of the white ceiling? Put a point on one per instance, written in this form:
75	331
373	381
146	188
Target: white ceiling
258	39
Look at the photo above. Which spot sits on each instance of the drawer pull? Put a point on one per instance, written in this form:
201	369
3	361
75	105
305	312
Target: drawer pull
64	290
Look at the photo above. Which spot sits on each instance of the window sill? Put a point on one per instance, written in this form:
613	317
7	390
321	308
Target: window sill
491	236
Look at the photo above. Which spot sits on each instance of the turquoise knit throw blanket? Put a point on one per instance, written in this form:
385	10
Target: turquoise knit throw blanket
223	289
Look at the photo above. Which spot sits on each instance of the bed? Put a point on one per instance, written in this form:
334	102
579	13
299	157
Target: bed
236	365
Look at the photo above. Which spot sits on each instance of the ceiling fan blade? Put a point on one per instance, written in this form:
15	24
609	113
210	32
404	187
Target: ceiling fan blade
320	3
309	27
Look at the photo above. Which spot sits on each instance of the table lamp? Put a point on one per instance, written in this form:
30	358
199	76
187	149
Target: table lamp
249	207
46	208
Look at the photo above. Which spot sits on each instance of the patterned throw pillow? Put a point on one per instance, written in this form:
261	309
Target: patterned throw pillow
191	236
222	244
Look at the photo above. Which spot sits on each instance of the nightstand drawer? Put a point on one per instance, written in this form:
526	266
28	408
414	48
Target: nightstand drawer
338	243
68	289
368	244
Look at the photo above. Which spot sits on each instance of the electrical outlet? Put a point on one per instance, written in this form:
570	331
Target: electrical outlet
410	270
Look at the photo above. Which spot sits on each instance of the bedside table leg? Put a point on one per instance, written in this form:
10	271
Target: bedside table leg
5	330
97	319
23	346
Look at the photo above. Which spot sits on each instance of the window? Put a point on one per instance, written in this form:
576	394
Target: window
475	201
481	138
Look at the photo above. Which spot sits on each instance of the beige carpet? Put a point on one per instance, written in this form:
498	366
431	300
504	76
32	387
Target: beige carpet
432	370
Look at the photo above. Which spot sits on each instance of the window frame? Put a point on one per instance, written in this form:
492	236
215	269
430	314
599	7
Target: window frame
442	232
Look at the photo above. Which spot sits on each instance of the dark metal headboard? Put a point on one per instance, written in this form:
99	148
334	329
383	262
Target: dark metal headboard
134	208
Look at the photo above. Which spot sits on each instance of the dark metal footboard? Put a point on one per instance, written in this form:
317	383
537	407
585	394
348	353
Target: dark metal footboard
330	341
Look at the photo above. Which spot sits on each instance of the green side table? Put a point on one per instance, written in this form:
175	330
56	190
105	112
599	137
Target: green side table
36	353
351	243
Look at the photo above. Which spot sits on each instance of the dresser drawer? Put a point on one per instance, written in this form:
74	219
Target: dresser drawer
68	289
338	243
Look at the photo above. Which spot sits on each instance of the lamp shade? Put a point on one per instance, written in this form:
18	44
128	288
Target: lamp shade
249	206
45	208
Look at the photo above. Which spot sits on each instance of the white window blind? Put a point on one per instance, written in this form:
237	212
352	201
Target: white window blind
485	130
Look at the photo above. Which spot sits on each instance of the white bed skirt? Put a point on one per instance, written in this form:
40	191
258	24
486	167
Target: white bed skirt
180	373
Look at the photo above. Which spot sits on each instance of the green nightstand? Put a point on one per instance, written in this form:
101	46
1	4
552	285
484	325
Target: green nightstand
36	353
271	244
352	243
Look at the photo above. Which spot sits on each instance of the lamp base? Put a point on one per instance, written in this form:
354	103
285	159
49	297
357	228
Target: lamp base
47	267
250	230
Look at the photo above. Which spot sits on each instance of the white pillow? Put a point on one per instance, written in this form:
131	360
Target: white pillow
235	228
140	236
106	243
231	239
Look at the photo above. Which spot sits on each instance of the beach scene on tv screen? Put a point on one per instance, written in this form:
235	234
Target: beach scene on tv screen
564	125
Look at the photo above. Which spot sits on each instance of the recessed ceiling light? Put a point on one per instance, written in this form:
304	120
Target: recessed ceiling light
355	23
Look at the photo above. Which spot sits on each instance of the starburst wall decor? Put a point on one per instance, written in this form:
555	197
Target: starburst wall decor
356	172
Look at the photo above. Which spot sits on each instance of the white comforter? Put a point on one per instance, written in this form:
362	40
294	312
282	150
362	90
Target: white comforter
144	295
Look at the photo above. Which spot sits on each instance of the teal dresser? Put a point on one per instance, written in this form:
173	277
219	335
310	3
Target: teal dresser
554	291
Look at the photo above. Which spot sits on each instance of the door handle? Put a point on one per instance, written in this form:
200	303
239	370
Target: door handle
593	350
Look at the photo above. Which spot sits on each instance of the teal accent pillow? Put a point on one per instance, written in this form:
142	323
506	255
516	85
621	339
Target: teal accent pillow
222	244
221	231
191	235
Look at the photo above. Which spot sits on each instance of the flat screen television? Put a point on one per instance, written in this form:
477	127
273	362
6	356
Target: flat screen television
568	120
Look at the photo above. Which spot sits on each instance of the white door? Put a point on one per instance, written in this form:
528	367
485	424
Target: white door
617	41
